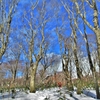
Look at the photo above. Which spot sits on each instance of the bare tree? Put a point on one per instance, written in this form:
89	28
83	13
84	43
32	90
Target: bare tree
46	62
65	45
14	60
26	74
96	30
5	22
72	21
65	48
2	74
36	38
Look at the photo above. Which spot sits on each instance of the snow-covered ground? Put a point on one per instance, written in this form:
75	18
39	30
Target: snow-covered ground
51	94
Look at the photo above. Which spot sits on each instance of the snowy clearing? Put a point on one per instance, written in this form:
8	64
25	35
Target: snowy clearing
50	94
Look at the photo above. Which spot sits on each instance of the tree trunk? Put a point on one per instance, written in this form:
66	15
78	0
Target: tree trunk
78	69
96	85
92	67
65	62
96	28
71	82
97	32
88	51
2	50
74	47
33	70
95	76
13	77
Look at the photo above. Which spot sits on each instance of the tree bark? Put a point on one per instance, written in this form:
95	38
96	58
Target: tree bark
88	51
33	70
65	62
13	76
92	68
97	32
78	69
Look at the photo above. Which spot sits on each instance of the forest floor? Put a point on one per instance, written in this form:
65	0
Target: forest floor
50	94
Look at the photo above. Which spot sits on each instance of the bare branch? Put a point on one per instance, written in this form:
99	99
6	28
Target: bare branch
78	11
90	4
